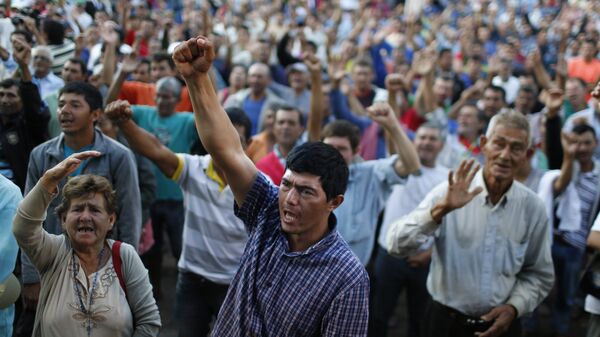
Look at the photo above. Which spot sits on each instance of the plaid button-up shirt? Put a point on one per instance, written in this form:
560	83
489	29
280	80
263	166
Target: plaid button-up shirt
322	291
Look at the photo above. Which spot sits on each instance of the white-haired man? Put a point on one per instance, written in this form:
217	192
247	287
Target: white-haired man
491	260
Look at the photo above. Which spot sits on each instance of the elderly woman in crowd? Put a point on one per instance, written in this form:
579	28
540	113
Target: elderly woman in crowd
88	288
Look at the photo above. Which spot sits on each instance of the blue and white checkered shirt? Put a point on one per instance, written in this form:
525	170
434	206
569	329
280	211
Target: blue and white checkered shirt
322	291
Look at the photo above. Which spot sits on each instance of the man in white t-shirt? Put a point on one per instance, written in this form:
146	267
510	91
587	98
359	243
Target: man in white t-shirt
393	274
213	237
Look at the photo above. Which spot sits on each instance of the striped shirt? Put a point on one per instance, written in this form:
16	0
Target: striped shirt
322	291
213	237
587	188
61	53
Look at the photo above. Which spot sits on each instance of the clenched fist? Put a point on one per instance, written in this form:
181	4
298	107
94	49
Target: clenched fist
194	56
118	111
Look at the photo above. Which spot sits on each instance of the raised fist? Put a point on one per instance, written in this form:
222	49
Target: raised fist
118	111
194	56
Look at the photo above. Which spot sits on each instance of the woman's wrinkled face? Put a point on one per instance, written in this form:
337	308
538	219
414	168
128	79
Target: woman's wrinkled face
87	221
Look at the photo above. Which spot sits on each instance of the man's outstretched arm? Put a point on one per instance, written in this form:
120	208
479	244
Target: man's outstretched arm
140	140
193	60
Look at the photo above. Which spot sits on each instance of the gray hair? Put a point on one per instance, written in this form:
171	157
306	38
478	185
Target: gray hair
169	83
42	50
436	126
511	119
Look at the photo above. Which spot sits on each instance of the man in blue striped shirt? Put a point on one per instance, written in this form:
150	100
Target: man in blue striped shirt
297	276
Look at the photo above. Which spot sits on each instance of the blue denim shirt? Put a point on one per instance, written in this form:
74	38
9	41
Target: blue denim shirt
11	196
369	185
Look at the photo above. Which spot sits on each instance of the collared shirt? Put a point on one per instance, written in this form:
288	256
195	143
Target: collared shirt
322	291
369	185
406	197
48	84
586	184
484	255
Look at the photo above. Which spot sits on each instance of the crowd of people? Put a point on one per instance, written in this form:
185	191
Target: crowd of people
308	161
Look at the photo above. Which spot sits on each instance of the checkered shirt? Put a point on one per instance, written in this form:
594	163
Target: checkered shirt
322	291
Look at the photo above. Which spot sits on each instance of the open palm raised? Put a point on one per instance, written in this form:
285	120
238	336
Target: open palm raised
194	57
458	193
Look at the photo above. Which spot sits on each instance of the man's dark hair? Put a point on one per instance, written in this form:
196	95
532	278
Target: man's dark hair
11	82
55	32
145	61
286	107
444	51
343	129
481	116
26	34
580	129
323	161
91	95
80	62
238	117
528	89
363	62
497	89
579	80
161	57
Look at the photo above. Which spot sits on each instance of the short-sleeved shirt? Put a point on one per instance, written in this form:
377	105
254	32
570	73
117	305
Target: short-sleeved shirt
177	132
322	291
213	237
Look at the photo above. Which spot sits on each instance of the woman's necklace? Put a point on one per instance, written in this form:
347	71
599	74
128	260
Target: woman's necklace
87	312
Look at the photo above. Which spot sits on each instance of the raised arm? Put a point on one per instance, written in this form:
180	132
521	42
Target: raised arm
193	60
317	99
140	140
408	159
569	146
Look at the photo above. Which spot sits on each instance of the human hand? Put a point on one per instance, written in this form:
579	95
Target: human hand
423	63
459	182
420	259
130	63
553	100
29	23
108	33
53	176
502	315
21	52
31	294
569	145
382	114
313	63
394	82
118	111
194	57
596	95
336	69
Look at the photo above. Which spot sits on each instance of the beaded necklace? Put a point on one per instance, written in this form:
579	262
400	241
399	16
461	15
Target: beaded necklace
88	311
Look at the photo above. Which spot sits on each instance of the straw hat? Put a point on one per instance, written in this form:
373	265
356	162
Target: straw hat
9	291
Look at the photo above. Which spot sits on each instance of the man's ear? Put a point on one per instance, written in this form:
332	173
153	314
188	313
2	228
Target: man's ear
335	202
96	115
530	153
482	141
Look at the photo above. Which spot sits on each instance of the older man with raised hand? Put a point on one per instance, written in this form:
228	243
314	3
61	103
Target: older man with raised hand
491	260
297	275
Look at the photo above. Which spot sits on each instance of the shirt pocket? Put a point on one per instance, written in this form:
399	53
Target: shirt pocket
511	255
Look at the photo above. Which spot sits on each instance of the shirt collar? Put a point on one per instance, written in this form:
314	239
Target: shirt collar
322	244
478	181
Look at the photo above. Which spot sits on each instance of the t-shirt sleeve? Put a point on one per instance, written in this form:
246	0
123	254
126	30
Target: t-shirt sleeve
596	225
260	203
